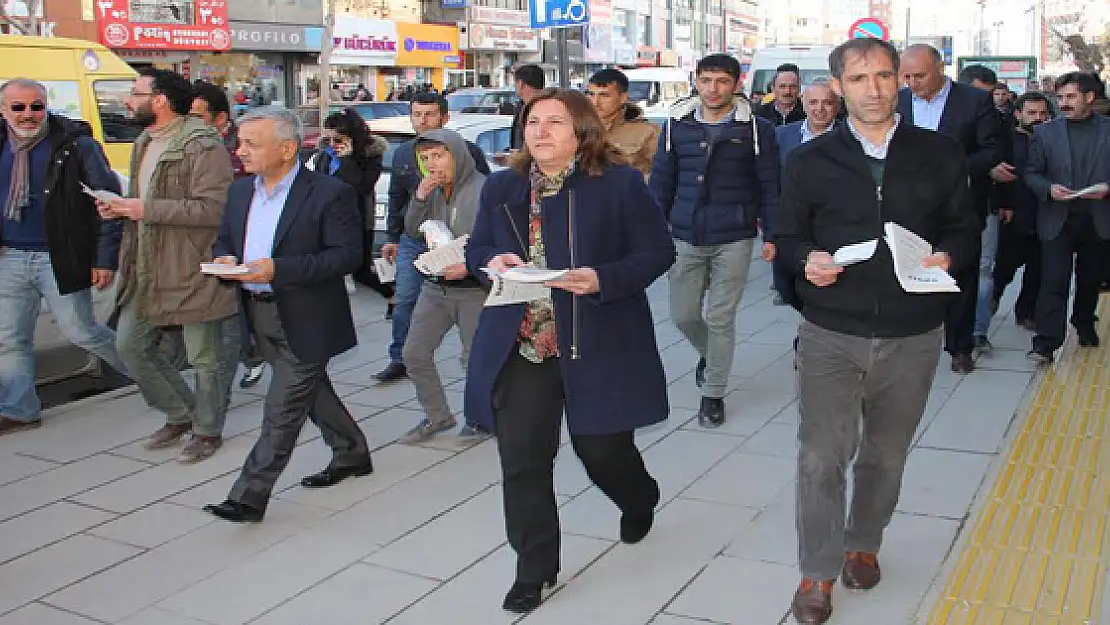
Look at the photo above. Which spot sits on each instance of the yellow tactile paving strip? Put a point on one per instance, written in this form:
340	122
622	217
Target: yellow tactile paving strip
1036	552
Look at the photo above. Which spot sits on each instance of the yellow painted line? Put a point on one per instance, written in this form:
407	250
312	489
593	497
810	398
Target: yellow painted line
1036	552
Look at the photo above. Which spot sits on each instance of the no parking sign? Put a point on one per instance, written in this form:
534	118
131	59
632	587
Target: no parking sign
869	28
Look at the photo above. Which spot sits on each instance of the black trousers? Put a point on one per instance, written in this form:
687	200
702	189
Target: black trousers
298	391
1018	249
1078	238
528	406
959	325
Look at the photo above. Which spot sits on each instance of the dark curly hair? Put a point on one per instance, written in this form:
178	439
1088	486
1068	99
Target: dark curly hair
350	124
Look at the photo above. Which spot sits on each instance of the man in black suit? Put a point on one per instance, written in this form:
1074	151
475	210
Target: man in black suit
934	102
298	233
1069	171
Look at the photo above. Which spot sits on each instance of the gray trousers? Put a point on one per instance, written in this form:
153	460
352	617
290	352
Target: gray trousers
710	277
855	395
298	390
438	310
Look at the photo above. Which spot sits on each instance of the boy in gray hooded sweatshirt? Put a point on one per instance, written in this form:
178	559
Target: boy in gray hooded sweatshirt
448	193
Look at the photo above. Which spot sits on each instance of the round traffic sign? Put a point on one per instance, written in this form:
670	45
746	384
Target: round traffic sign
869	28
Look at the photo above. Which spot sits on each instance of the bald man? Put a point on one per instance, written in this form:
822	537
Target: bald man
821	106
934	102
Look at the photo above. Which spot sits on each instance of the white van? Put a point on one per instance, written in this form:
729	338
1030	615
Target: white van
655	89
813	61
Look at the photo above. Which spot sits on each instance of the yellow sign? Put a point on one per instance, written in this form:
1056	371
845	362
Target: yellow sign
427	45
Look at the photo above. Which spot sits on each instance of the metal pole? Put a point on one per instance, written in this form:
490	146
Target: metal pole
907	26
325	62
562	50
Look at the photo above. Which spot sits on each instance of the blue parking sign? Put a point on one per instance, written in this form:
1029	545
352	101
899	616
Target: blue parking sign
557	13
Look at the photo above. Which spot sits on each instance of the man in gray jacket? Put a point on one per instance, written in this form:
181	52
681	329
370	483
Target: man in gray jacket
449	194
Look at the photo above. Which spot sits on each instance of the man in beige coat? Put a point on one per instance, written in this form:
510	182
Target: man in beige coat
180	174
628	132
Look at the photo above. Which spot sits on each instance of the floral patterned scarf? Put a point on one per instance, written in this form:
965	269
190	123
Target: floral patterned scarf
538	338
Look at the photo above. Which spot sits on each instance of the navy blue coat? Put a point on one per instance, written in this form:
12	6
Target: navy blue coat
318	241
714	194
617	383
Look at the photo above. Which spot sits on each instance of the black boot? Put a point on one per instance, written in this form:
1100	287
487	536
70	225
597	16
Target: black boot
712	412
524	597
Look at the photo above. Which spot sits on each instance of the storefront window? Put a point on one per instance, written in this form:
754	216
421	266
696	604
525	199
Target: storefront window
250	79
110	97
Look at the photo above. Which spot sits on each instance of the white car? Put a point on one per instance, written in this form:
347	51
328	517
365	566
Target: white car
491	133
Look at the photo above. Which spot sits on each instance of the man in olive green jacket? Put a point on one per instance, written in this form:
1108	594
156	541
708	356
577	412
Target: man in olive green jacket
180	173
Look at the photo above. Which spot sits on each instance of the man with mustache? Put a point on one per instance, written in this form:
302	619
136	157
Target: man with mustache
1069	171
1017	240
180	173
52	243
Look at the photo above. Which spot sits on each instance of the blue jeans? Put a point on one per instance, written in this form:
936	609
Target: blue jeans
212	347
26	278
407	285
983	314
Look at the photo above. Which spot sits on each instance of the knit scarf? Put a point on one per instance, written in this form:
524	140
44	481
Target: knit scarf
19	189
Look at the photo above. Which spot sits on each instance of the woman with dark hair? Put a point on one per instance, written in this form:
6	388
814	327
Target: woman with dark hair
349	152
586	345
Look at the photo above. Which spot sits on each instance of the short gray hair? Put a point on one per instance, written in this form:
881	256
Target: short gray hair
288	125
25	83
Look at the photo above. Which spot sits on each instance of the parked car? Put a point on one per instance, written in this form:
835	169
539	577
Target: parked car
493	102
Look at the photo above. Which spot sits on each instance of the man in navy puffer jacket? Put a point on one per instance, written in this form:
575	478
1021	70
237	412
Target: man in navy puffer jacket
716	175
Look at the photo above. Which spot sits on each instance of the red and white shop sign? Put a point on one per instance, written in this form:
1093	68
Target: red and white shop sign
163	24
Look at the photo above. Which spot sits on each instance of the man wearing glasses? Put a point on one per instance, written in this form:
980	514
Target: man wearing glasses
180	173
53	244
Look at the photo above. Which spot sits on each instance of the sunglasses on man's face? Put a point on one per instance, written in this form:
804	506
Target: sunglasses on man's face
19	107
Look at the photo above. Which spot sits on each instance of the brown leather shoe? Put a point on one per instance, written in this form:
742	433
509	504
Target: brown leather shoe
813	602
963	364
861	571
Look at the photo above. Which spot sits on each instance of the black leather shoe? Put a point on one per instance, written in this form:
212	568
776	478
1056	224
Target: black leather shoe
235	512
635	528
525	597
395	371
1088	337
962	364
699	373
334	475
712	413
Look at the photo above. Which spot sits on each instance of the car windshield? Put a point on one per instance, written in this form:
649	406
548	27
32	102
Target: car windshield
639	91
379	110
762	78
458	101
117	125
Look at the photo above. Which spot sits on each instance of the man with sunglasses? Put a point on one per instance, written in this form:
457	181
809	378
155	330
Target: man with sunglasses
180	174
53	244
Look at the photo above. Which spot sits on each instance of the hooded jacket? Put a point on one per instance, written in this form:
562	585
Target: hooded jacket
459	209
715	188
635	138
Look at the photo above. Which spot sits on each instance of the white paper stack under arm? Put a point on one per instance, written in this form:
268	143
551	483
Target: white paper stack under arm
909	252
436	260
387	271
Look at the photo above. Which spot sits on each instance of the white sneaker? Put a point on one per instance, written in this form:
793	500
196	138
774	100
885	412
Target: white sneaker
350	282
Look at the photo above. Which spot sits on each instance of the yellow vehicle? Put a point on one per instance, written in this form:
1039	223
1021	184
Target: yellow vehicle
85	81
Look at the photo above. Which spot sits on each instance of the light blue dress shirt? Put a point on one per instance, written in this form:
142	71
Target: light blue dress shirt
927	113
262	222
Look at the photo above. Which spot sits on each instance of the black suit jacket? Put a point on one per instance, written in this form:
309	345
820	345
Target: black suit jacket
1050	163
970	117
318	241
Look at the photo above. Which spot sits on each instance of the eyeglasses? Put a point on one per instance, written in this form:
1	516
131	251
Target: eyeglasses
19	107
136	94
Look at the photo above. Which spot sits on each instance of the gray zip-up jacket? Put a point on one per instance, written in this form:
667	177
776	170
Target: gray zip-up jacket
460	209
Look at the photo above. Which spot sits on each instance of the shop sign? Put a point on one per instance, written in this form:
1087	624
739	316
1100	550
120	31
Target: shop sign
275	37
453	4
647	56
363	41
511	39
509	17
427	45
164	25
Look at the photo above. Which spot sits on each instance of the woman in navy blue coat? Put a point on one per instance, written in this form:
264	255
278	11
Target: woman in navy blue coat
589	347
